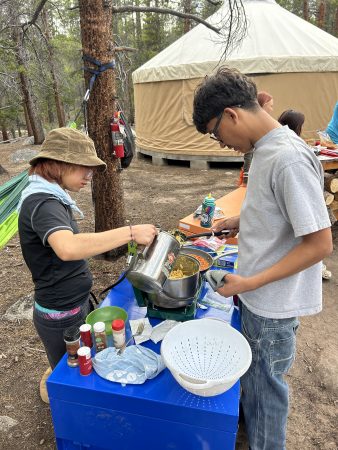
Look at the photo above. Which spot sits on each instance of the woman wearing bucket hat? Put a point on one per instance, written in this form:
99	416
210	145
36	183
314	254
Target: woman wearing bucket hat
54	250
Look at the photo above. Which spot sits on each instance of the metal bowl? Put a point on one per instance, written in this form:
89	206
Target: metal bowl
195	251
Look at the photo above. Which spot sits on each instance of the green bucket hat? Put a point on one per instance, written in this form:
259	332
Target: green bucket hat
70	146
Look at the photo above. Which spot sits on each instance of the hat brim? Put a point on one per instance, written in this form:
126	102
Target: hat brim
88	160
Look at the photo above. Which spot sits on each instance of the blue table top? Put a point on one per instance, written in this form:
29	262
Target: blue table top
161	396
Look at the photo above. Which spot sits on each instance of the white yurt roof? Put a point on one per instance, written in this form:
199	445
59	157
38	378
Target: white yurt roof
276	41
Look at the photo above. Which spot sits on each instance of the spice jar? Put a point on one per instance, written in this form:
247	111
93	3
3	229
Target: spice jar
85	360
86	335
119	333
71	337
100	336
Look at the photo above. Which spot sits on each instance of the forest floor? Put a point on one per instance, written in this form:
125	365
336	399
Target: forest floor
156	195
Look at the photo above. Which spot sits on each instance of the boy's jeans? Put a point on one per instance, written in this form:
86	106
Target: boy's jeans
264	392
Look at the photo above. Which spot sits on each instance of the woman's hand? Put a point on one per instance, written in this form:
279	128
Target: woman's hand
143	234
231	224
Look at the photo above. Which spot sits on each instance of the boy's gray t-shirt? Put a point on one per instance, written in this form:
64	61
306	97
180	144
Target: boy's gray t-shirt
284	201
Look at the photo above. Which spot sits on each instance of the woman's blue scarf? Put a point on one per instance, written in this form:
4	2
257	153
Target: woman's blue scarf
39	185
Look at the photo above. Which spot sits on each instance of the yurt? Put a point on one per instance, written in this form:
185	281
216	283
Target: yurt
288	57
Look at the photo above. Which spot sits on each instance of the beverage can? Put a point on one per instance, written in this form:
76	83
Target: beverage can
208	210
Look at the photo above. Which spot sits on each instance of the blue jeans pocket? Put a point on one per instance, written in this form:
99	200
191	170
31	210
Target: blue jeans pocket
282	352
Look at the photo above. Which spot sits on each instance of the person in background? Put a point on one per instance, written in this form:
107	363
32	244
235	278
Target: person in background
332	128
265	100
54	250
284	233
293	119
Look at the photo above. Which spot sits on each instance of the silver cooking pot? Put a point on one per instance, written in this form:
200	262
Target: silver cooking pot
186	286
179	292
149	270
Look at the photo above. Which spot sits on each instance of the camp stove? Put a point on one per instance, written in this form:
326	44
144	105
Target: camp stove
172	309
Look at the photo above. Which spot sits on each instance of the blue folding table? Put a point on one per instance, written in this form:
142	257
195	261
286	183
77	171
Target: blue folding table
90	412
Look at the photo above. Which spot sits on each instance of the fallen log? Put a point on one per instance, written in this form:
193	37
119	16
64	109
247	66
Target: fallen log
328	198
330	183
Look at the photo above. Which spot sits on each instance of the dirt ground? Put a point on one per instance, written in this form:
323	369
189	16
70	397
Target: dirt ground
158	195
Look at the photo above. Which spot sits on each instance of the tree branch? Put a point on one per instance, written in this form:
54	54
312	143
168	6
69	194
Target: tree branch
36	14
125	49
130	8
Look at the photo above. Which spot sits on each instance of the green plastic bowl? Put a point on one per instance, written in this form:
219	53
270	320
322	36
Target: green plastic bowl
107	314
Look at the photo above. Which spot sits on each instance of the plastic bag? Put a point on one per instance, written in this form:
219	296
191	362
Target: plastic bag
134	366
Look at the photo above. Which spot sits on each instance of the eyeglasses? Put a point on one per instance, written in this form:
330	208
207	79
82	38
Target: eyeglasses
214	132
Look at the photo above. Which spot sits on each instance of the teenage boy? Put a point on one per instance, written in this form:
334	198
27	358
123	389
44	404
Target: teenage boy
284	233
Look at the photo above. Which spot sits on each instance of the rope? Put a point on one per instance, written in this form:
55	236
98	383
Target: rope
100	68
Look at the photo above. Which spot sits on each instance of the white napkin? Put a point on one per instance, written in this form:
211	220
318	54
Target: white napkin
146	333
160	330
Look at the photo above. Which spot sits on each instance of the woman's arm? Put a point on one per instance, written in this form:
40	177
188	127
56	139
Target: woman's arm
71	247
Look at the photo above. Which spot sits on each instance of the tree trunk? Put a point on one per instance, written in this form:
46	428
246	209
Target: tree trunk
336	23
5	136
13	133
187	8
96	36
18	126
306	10
321	14
27	120
28	99
60	112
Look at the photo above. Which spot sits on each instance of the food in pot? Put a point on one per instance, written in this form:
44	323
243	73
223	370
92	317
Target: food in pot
204	264
184	267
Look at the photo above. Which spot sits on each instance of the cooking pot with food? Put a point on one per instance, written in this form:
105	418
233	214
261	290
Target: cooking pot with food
149	270
183	279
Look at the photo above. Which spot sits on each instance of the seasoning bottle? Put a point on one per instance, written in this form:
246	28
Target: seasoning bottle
119	333
85	360
208	210
100	336
71	337
86	335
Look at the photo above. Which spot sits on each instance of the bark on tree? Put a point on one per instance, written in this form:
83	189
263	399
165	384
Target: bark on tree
306	10
5	136
97	42
25	84
60	112
28	122
187	9
321	14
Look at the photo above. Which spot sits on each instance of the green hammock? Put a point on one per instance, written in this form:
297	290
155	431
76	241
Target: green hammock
10	194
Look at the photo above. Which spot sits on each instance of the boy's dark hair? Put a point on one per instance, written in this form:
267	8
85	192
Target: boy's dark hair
227	87
293	119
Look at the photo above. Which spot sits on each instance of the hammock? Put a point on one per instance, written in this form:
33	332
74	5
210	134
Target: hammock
10	194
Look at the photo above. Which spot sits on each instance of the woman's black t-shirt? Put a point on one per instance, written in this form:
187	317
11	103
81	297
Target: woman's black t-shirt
59	285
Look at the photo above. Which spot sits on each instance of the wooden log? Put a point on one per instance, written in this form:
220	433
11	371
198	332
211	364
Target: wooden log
334	205
329	198
332	215
330	183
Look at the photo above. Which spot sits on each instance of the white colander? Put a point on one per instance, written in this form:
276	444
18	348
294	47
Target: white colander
206	356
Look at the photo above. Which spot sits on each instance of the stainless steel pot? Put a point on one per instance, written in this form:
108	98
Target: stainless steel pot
149	270
182	288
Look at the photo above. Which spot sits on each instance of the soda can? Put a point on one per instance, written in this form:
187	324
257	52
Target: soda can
85	360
